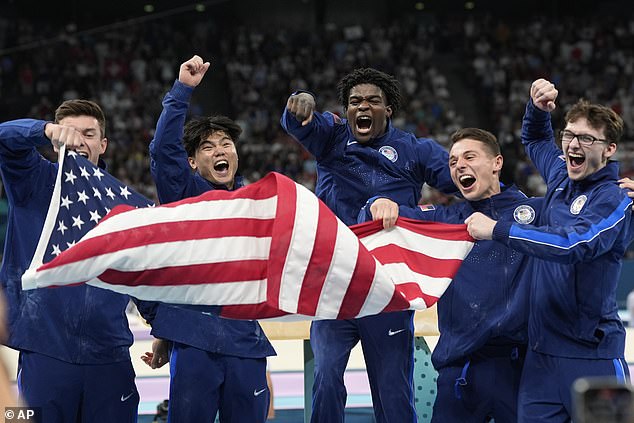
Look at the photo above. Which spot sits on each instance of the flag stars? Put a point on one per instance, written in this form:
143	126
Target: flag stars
61	227
97	173
82	197
72	154
124	192
66	202
96	193
109	193
77	221
84	172
94	216
70	177
56	251
71	244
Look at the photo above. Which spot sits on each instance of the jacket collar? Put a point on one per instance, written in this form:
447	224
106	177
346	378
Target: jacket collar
238	182
610	172
506	194
386	136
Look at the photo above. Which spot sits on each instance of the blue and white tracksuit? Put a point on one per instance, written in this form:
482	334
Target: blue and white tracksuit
394	165
74	341
578	244
482	316
216	364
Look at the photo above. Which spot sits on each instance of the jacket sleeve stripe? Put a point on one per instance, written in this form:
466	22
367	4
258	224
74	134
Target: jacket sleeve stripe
572	239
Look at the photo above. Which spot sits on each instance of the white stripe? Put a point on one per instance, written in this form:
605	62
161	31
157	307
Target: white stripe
300	249
342	267
227	293
429	246
571	246
156	256
49	222
380	293
417	304
203	210
401	273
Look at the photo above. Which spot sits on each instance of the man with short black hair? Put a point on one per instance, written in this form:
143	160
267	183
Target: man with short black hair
217	365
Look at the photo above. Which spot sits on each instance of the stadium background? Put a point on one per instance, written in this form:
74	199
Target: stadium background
460	63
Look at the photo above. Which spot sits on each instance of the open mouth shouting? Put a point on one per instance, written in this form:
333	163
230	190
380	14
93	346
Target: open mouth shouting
364	125
576	160
221	169
467	181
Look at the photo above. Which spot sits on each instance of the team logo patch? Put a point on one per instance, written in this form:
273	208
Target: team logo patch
524	214
426	207
578	204
389	152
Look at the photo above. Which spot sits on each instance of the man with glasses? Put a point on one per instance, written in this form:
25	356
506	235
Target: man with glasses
578	243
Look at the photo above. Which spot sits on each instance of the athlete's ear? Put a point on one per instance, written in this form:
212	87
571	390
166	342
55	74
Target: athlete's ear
499	161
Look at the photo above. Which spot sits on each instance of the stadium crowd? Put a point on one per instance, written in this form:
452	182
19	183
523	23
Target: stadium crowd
590	58
128	67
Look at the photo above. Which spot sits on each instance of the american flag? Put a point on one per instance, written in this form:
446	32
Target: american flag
268	250
83	195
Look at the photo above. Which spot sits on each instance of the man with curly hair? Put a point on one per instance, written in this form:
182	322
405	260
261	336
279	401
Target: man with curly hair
359	157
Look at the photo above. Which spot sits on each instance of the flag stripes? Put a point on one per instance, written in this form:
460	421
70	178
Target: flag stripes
271	249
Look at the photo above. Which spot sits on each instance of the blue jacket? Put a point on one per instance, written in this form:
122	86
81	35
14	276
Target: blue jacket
486	303
81	324
394	165
175	181
579	241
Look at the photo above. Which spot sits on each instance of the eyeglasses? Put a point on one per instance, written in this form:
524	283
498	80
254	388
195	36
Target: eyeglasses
584	139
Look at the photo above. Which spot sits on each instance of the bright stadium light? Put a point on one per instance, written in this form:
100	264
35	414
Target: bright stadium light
148	8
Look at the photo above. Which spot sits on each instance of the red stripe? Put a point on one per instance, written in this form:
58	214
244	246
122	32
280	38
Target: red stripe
260	190
319	263
397	303
419	263
160	233
445	231
251	311
367	228
411	291
195	274
281	237
359	286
